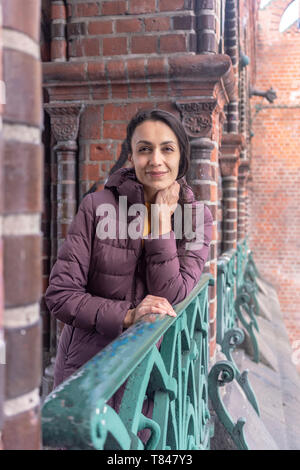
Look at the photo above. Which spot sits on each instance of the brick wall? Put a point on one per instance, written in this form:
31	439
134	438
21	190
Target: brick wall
114	28
22	172
121	56
275	198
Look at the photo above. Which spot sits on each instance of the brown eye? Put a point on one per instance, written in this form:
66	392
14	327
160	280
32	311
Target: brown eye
168	149
144	149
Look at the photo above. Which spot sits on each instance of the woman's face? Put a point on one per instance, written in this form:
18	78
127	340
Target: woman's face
155	156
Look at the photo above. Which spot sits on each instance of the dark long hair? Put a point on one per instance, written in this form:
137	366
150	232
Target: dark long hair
171	121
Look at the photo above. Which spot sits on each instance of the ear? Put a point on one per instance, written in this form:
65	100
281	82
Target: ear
130	159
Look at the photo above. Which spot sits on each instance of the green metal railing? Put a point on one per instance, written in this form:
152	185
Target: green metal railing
236	305
76	414
241	261
226	314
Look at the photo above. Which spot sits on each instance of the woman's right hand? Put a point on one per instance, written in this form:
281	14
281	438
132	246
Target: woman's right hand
151	304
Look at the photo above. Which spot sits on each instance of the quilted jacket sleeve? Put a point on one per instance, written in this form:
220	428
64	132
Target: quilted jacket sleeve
66	296
173	269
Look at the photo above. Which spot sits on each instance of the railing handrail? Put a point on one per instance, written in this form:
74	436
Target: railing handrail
111	371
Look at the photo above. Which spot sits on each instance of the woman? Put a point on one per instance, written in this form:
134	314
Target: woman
99	286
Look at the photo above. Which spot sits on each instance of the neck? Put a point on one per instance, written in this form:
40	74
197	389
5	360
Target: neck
150	196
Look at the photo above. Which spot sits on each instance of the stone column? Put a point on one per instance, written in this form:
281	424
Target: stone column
206	17
64	129
22	207
242	181
58	31
229	163
231	48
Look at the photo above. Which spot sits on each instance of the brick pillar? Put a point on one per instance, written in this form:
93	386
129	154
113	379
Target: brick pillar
201	120
22	207
206	27
58	31
242	180
2	344
229	163
64	129
231	49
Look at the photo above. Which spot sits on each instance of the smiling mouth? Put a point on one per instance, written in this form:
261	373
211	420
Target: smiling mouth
157	173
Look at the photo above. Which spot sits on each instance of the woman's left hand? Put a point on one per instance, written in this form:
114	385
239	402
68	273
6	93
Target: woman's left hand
169	196
167	200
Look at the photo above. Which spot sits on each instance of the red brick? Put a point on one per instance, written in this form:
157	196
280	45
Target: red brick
141	6
173	43
90	172
22	169
115	69
100	27
96	71
119	91
136	68
101	152
114	46
23	431
133	25
100	92
90	123
115	7
22	269
67	70
171	5
22	76
23	17
58	12
89	47
120	112
86	9
23	359
114	131
156	67
159	89
58	49
158	23
143	44
139	90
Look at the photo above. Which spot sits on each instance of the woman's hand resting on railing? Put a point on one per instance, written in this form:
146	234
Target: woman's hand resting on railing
151	304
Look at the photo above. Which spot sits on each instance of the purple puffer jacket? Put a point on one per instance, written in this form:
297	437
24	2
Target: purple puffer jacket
95	281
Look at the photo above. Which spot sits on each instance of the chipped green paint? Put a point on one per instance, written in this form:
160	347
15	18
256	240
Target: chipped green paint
76	414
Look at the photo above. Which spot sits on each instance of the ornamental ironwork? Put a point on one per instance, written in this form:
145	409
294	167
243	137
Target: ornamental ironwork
76	415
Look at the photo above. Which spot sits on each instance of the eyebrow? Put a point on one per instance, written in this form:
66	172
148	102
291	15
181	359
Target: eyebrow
150	143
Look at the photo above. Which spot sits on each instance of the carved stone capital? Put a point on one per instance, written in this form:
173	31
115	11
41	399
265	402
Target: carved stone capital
64	122
232	143
197	117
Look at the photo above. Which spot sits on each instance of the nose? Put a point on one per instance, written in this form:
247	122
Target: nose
156	157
